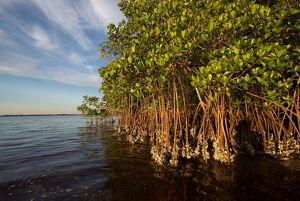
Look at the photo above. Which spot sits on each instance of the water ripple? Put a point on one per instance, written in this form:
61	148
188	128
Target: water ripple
33	145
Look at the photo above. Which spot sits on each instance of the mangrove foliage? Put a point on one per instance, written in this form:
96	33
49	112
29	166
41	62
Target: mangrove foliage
94	109
209	78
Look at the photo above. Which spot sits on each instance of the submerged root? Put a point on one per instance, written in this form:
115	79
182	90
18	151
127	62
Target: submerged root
212	129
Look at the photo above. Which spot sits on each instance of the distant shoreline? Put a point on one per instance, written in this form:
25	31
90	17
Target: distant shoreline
25	115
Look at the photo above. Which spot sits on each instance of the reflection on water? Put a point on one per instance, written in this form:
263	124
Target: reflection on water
63	158
92	142
244	180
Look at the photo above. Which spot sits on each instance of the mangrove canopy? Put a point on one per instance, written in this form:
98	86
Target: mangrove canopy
92	107
206	78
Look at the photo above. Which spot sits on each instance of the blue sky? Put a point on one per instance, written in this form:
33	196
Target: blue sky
49	53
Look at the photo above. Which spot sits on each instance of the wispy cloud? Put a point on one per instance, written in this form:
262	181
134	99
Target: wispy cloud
53	40
14	71
72	77
67	29
73	17
89	19
106	10
89	67
23	71
42	40
63	15
61	75
76	58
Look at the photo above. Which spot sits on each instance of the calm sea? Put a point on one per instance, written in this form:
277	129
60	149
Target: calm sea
67	158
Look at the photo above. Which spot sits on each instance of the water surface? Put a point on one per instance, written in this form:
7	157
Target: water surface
65	158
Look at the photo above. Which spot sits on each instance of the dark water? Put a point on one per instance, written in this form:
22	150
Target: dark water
64	158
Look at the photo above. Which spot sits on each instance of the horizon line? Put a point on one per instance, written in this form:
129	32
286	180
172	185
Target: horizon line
58	114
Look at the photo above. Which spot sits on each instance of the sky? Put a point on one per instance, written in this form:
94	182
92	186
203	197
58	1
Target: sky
49	55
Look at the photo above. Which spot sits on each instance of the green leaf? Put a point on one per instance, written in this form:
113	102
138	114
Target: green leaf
132	49
112	72
253	7
236	50
163	79
228	92
157	31
233	13
246	56
262	10
211	25
183	33
129	59
182	19
172	34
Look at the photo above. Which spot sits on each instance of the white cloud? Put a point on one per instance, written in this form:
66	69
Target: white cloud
61	75
89	19
62	14
73	17
80	61
24	71
76	78
76	58
89	67
107	10
19	65
42	40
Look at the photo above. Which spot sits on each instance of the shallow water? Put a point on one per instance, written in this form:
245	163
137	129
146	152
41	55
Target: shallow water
65	158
